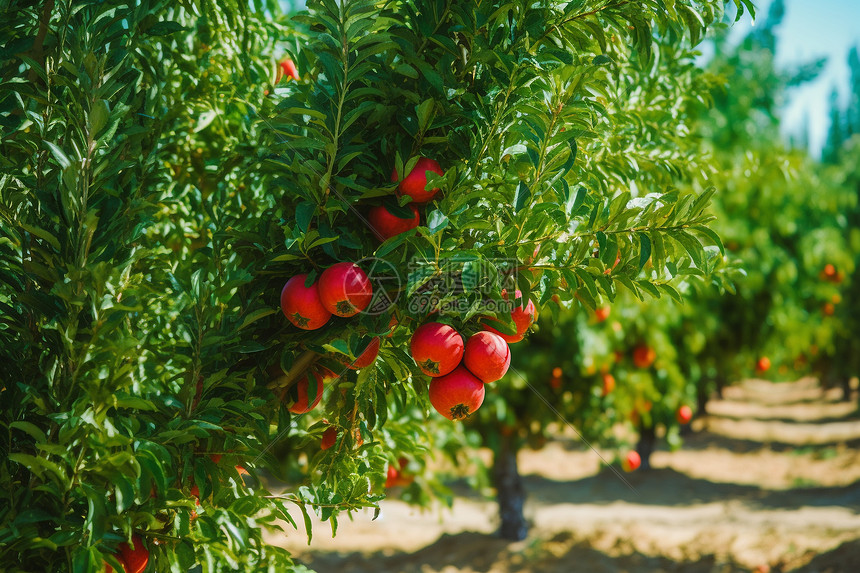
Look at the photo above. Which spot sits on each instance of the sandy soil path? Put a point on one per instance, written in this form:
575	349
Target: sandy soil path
770	481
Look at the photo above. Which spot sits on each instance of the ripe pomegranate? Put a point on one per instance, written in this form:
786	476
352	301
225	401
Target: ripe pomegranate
287	67
644	356
608	384
437	348
684	414
329	437
404	478
829	271
215	458
344	289
135	557
413	184
367	357
522	317
387	225
763	364
391	476
487	356
457	394
828	309
303	403
631	461
601	313
302	305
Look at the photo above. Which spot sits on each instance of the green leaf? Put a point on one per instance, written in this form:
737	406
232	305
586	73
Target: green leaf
257	315
59	155
40	466
304	212
165	28
644	249
713	236
691	244
31	429
436	221
424	111
578	200
521	196
98	116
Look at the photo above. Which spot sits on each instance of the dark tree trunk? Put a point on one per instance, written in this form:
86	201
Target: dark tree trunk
846	388
702	393
645	447
720	385
510	492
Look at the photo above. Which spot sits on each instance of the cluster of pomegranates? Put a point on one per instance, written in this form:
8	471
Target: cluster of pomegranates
461	370
342	289
385	223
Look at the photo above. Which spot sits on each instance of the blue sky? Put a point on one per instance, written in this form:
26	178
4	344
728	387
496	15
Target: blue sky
813	29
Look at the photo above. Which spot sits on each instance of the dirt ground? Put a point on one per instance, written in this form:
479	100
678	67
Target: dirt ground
770	481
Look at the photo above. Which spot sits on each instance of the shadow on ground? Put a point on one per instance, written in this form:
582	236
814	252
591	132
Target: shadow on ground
843	559
669	487
470	552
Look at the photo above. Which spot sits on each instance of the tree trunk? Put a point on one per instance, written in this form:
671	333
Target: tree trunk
510	492
846	388
702	393
645	447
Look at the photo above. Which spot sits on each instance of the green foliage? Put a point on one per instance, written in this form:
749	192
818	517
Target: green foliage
158	190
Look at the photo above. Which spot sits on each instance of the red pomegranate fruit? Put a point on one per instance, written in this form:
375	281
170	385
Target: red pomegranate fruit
487	356
302	305
135	556
303	402
437	348
608	384
367	357
391	476
287	68
684	414
523	318
631	461
413	184
457	395
344	289
329	437
602	313
644	356
386	224
402	477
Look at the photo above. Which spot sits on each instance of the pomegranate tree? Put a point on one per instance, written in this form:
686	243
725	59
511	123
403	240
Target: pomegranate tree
188	263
